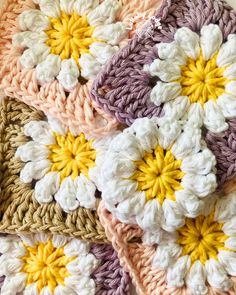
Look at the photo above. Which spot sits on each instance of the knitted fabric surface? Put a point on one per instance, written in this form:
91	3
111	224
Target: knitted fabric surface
47	176
52	50
54	264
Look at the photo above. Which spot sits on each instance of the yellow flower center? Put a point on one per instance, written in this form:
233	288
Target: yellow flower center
158	174
202	80
45	265
71	155
202	238
70	36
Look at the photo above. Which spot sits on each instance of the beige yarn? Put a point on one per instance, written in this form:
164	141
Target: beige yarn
19	211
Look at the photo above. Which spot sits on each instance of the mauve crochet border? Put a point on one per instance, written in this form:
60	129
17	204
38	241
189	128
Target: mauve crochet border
122	88
110	278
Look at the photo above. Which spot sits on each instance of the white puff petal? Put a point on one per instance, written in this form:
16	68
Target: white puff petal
188	41
117	167
112	33
189	142
28	39
47	70
90	67
84	7
228	260
67	6
105	13
102	51
69	74
227	104
150	218
166	70
59	241
47	187
225	207
42	238
66	195
194	116
14	284
171	51
201	163
229	227
164	92
230	88
230	71
34	55
168	131
216	275
196	279
214	119
62	290
151	238
85	192
127	145
166	255
116	191
177	272
46	291
81	284
32	151
231	243
76	248
50	7
173	215
175	109
211	40
10	265
40	132
33	20
201	185
190	203
145	130
31	289
34	170
84	265
133	205
227	52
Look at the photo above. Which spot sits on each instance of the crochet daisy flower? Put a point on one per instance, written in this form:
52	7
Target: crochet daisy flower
43	264
64	166
203	250
68	40
196	77
155	172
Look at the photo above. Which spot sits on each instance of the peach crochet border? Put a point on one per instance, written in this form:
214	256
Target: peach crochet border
136	258
75	109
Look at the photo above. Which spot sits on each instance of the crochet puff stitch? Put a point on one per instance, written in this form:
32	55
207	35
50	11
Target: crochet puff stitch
44	186
54	75
55	264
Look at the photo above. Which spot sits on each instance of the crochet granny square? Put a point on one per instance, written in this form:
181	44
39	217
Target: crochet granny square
53	264
52	50
47	175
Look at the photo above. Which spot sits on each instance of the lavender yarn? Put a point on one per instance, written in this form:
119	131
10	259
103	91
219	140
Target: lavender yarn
123	89
109	277
224	148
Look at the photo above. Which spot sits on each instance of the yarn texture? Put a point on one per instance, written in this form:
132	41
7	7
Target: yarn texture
54	264
25	72
20	211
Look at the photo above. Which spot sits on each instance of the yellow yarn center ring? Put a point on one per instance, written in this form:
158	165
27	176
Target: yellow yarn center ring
202	238
202	80
45	265
71	155
70	36
158	174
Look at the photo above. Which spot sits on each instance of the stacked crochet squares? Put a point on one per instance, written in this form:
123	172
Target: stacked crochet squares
118	125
